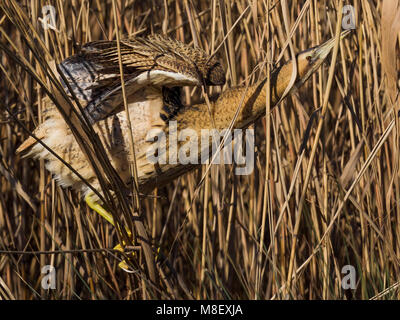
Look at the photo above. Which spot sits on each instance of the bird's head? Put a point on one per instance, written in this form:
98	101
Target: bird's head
310	60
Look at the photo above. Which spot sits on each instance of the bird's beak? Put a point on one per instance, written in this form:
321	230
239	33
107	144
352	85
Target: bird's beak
310	60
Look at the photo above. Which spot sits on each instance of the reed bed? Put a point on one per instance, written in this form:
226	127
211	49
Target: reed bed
324	193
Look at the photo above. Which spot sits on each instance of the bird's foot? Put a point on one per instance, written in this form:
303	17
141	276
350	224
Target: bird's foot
91	201
124	265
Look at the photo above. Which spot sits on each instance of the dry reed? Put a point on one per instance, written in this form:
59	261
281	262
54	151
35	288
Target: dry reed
325	191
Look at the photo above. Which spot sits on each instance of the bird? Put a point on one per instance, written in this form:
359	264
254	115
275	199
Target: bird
154	69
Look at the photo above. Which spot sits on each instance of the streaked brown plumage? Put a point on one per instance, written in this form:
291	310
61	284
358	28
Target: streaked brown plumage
94	75
154	69
145	107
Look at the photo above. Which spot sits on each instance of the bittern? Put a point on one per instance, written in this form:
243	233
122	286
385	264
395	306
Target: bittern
154	69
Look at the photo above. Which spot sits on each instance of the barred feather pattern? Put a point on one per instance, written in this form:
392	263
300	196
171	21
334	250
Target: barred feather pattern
93	75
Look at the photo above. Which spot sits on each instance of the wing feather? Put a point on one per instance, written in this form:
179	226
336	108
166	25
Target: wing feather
94	74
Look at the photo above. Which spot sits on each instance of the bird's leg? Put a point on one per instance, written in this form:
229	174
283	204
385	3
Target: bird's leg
94	205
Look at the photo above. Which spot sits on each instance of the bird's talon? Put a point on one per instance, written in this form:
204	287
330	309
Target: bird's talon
124	266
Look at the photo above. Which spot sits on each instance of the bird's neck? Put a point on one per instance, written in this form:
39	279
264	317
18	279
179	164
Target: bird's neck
244	104
251	102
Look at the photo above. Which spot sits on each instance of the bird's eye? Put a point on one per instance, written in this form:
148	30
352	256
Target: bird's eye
308	59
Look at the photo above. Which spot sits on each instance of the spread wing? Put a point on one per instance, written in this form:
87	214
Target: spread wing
94	75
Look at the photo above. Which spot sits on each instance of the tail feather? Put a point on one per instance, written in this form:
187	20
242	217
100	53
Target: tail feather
29	143
49	112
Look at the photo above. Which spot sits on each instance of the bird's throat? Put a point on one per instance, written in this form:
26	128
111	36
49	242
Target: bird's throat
242	105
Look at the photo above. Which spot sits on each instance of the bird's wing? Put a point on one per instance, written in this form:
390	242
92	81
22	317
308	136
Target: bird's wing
94	74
